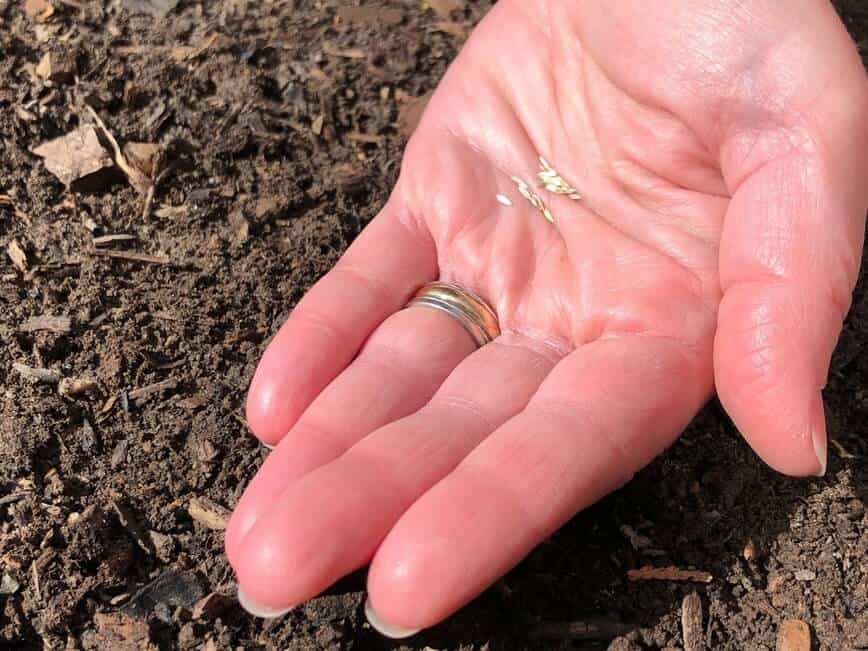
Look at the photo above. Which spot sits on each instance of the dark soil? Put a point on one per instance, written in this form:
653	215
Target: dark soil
282	125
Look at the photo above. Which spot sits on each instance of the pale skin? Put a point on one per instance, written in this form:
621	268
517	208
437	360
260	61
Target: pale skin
721	149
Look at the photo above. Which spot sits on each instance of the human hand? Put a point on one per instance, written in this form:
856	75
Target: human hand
721	151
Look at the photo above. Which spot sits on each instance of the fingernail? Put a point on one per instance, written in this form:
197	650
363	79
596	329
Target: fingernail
394	632
257	609
270	447
820	451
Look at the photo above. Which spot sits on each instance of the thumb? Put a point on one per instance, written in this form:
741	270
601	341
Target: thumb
789	258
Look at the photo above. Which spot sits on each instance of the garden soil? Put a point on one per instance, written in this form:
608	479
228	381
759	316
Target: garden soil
132	315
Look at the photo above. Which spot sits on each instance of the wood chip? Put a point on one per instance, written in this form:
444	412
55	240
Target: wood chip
120	631
637	540
794	635
8	585
346	53
34	8
151	389
58	66
208	513
156	8
804	575
129	522
119	454
649	573
212	606
107	406
76	386
75	156
43	68
17	255
366	138
47	322
36	375
105	240
132	256
317	125
172	212
691	623
368	15
193	402
749	553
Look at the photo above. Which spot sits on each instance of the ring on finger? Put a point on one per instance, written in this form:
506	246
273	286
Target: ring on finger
473	313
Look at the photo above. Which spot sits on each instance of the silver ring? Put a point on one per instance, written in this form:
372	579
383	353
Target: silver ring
473	313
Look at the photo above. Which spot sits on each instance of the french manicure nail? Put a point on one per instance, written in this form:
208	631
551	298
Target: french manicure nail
257	609
389	630
270	447
821	451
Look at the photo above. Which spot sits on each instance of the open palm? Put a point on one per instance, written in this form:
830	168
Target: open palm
719	149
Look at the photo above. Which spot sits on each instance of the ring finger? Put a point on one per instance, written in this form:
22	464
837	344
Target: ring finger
397	371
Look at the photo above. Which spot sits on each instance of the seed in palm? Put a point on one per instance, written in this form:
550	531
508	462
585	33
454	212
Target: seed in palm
554	182
534	199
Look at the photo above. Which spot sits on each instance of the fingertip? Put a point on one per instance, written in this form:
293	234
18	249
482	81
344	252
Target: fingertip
262	565
769	367
384	627
393	580
820	448
796	451
263	407
258	609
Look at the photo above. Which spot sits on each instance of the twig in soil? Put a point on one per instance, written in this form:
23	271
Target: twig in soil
595	629
37	566
35	375
131	255
60	325
105	240
157	387
14	497
36	589
842	451
649	573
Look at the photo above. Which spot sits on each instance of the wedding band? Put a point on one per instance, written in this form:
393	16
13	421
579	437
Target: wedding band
462	305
